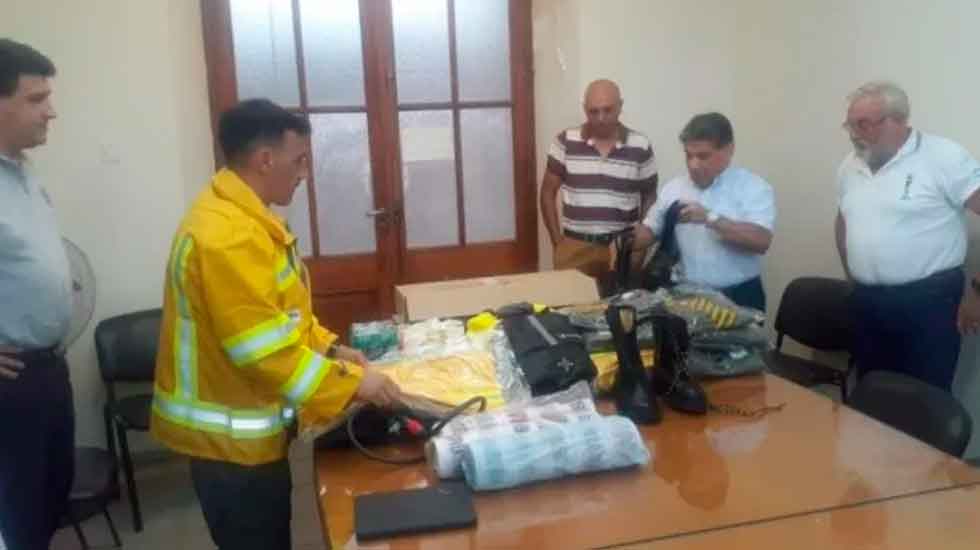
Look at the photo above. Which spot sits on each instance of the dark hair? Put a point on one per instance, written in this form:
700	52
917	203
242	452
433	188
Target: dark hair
18	59
713	127
254	122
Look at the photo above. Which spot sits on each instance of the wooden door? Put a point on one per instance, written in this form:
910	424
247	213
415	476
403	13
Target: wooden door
422	146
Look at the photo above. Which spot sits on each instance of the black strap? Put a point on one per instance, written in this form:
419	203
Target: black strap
596	238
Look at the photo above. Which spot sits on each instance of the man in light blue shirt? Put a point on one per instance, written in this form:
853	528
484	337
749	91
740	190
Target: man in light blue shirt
726	218
37	426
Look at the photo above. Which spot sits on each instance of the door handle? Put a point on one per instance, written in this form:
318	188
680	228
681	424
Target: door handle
376	213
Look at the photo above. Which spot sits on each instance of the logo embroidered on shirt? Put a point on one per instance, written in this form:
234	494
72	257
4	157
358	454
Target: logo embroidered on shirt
908	183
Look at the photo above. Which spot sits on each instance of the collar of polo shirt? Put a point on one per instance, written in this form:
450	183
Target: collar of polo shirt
11	161
621	135
911	145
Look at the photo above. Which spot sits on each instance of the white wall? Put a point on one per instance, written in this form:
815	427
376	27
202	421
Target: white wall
131	142
780	70
797	62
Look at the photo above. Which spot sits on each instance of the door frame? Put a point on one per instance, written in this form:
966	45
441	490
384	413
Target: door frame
395	263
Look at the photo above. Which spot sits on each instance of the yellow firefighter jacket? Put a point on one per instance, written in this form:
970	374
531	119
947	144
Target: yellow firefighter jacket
241	354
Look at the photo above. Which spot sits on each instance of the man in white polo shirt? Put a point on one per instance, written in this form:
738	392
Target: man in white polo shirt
901	236
726	215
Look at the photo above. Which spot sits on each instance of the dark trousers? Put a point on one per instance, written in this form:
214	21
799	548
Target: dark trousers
910	328
37	453
747	294
246	507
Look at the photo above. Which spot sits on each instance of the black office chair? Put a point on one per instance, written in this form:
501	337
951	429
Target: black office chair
126	346
95	484
814	311
919	409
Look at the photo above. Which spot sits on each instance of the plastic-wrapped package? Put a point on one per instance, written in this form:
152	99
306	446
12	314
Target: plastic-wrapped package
433	338
450	380
731	361
461	424
444	452
642	300
559	450
512	382
706	310
751	336
377	339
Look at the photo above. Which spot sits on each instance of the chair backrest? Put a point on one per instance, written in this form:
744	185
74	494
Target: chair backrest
126	346
916	408
815	311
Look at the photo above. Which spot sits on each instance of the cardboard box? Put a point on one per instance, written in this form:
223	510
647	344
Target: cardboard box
470	296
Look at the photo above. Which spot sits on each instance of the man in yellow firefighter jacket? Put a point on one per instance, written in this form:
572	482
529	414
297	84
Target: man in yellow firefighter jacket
241	354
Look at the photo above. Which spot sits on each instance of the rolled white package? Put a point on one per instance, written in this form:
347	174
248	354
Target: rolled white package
444	453
577	398
555	451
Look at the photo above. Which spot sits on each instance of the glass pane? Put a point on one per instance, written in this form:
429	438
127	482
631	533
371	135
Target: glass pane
332	50
265	50
483	50
429	178
344	195
488	175
421	49
297	215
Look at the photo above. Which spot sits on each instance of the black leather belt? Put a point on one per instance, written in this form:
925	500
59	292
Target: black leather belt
40	357
595	238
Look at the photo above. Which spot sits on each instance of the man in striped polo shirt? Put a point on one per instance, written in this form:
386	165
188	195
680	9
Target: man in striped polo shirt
607	177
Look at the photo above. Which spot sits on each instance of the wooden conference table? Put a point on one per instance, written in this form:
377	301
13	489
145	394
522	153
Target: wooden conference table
814	475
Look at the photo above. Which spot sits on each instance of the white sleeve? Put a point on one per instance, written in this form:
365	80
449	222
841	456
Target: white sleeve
841	178
759	205
962	175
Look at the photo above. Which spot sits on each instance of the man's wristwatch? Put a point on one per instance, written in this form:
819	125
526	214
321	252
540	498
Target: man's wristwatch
332	351
712	217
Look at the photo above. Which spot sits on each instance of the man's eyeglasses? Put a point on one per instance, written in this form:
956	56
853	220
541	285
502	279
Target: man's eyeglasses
862	125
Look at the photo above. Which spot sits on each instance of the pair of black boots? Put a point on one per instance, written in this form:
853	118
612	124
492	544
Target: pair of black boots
636	391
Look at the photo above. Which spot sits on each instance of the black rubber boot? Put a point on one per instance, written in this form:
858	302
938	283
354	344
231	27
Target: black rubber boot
670	378
632	391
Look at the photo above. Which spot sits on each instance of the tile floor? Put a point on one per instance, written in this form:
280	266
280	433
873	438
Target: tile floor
172	519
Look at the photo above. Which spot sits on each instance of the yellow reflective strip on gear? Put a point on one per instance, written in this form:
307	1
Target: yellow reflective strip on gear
179	274
263	339
185	355
306	378
730	318
285	274
185	332
214	418
716	315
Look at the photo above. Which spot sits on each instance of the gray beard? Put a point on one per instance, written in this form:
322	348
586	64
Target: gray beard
874	162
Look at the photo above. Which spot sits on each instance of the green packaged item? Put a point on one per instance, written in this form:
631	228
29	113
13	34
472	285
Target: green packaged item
374	339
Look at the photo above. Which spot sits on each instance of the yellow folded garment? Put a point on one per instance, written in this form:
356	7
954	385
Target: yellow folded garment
450	380
607	364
